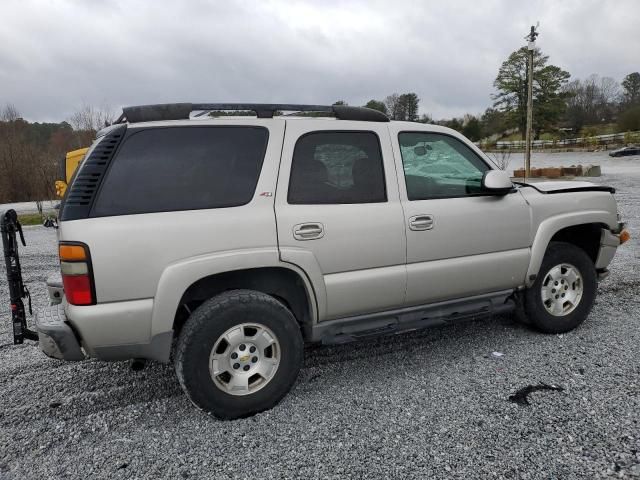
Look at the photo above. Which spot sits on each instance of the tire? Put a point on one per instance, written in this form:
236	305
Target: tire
226	322
567	302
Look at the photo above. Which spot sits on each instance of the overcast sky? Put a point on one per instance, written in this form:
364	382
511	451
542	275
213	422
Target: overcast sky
57	55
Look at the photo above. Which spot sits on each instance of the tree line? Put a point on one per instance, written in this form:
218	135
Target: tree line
560	105
30	152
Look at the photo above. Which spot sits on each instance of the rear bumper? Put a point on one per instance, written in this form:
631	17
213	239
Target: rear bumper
55	336
65	339
119	330
55	289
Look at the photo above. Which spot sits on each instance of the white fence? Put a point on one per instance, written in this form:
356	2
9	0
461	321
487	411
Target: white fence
595	140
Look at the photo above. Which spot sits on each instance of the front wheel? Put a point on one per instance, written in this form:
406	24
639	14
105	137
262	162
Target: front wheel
238	354
564	291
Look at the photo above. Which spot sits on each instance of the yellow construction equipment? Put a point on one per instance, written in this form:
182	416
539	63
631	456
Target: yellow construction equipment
68	166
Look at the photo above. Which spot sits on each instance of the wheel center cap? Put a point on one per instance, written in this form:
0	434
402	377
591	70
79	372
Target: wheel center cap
244	358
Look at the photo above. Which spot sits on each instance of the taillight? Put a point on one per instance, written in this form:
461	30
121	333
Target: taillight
77	276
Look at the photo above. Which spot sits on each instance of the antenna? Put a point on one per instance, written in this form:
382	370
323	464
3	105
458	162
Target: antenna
533	34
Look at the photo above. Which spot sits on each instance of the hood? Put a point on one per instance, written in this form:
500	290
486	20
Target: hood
570	186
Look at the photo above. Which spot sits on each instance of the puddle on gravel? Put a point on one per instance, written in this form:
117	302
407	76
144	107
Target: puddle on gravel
521	397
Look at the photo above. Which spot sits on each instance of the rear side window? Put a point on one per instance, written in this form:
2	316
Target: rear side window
183	168
337	167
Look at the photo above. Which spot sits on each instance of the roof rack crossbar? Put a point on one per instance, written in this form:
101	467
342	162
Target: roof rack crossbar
182	111
262	107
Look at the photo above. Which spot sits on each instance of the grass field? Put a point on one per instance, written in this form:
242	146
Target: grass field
34	218
30	219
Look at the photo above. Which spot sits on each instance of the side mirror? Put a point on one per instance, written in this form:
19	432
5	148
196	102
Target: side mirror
497	182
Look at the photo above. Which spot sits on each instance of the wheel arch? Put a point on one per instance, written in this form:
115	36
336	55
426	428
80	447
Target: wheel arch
585	236
284	284
582	229
244	269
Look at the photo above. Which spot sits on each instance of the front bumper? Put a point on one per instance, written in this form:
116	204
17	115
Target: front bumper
609	243
55	336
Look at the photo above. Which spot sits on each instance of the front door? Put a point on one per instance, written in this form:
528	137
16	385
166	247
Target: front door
461	241
339	215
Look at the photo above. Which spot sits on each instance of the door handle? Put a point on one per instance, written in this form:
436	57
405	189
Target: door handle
308	231
421	222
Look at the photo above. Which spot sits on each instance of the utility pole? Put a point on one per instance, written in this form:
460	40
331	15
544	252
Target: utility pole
531	49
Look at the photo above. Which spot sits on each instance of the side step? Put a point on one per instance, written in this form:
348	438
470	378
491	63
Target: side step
349	329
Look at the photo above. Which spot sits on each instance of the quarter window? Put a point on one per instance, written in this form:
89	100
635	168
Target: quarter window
439	166
183	168
337	167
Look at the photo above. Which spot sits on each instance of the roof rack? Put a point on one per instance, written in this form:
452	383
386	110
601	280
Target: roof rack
182	111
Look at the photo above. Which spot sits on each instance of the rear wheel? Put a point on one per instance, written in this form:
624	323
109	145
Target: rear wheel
564	291
238	354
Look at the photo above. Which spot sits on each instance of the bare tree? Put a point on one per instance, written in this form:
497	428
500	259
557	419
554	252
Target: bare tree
88	117
402	107
9	113
28	169
610	95
392	102
591	101
609	90
11	155
87	120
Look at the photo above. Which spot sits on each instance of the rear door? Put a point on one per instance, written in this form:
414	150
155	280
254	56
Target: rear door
339	215
461	241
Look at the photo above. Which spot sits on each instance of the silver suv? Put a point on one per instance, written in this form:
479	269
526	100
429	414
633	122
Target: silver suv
227	243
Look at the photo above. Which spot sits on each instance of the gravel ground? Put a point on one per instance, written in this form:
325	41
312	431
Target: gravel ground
421	405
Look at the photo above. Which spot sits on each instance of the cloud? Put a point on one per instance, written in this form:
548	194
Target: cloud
56	55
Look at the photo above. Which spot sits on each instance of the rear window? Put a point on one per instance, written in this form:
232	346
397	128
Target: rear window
183	168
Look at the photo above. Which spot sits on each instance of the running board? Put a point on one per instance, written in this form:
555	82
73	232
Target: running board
344	330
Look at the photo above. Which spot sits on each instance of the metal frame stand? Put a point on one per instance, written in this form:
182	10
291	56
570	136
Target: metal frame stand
10	227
